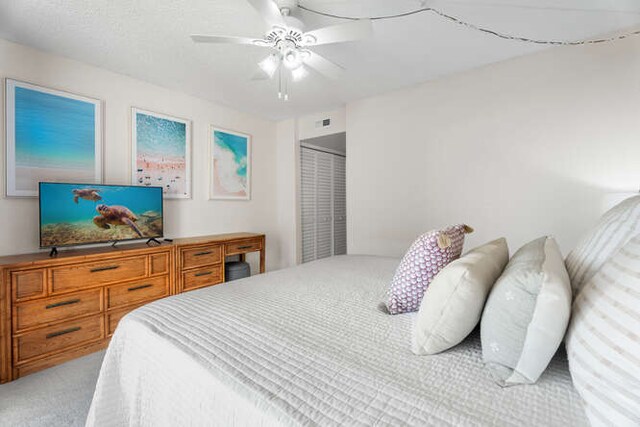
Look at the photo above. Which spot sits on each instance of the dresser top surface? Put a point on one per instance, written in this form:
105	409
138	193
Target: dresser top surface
64	255
227	237
68	254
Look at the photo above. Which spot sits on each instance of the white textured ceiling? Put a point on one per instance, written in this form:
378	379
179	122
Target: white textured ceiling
149	40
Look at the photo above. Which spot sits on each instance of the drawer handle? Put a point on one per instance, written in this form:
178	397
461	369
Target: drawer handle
206	273
60	304
63	332
245	247
203	253
135	288
109	267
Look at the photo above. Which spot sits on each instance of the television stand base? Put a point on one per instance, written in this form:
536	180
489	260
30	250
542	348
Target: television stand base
54	252
158	242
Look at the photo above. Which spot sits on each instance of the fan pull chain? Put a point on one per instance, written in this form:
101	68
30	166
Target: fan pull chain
286	88
283	86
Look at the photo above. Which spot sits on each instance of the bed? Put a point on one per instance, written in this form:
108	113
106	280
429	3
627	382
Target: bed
308	345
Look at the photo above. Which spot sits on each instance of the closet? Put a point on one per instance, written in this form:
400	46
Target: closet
323	204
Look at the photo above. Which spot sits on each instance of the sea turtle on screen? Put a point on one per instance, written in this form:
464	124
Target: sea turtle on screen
87	194
116	215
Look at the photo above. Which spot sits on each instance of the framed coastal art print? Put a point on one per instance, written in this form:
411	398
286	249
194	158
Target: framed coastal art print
161	153
230	162
51	136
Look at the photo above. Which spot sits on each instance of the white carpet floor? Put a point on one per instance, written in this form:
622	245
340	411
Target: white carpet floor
58	396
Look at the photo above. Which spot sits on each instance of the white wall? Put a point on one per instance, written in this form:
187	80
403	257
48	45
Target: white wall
288	186
522	148
199	216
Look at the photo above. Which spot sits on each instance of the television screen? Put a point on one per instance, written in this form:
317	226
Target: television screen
79	214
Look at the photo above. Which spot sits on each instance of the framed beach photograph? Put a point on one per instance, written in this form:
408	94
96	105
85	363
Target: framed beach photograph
230	160
51	136
161	153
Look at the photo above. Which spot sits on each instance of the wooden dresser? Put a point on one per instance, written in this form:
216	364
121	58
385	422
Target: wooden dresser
56	309
200	260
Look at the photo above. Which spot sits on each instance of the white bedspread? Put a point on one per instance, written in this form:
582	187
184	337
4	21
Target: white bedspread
307	345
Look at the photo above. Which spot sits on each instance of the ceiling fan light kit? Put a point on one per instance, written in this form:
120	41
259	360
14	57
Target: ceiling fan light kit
299	73
291	44
270	65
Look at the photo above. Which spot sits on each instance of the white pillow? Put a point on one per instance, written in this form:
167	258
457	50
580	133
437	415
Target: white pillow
526	314
603	340
453	303
614	230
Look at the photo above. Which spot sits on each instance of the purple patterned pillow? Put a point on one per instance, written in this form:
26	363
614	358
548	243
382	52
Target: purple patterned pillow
424	259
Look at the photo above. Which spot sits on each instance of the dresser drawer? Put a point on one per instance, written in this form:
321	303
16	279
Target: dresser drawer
84	275
159	264
198	257
49	310
144	290
131	293
202	277
28	284
59	337
243	247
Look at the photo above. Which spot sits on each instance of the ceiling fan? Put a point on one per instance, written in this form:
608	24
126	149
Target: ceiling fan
291	44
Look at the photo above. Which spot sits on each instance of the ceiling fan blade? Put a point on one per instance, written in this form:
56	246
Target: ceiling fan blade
269	11
203	38
324	66
355	30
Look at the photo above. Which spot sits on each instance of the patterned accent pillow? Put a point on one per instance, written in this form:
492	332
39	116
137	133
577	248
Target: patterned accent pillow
613	231
603	340
424	259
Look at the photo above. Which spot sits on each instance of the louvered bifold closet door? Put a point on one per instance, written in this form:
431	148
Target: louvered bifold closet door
324	205
339	206
308	203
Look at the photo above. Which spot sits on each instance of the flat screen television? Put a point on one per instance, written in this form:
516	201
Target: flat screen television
82	214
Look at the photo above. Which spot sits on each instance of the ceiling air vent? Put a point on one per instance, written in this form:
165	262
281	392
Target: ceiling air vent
323	123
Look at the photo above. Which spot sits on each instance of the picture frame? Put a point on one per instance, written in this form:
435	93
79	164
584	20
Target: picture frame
161	152
50	135
229	164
